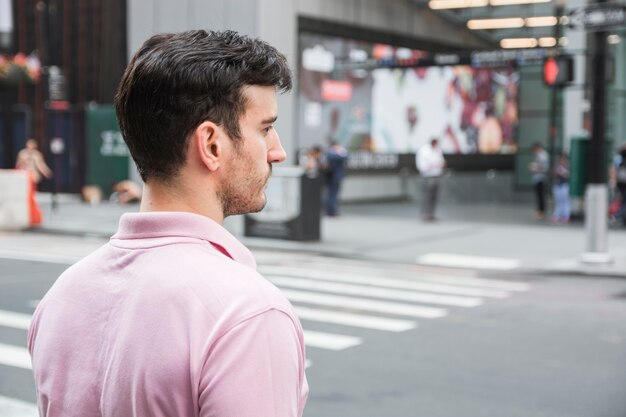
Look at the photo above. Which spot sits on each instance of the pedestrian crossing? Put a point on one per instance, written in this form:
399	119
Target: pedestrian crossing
341	303
353	295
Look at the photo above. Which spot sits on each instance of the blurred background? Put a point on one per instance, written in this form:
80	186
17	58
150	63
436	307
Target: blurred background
488	78
379	77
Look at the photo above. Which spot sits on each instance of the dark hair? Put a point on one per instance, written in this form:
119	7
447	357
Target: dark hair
176	81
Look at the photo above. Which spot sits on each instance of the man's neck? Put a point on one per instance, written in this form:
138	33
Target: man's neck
179	197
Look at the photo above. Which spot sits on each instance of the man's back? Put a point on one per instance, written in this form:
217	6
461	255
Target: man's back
163	322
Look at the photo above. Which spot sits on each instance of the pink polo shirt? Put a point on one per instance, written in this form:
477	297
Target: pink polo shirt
170	318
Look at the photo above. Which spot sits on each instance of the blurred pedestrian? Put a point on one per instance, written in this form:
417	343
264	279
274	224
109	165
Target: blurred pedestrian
32	161
430	164
314	162
126	192
171	318
539	168
560	190
336	157
618	181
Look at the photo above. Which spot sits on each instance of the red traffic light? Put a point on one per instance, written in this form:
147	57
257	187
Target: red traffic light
558	71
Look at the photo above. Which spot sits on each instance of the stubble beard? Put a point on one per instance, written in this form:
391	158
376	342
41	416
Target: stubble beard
244	194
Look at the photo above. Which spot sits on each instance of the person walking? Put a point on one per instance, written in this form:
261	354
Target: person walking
430	164
171	318
31	160
560	191
336	157
618	178
539	168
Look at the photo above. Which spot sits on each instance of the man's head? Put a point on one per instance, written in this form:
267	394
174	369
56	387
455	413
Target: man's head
175	82
434	142
537	147
31	144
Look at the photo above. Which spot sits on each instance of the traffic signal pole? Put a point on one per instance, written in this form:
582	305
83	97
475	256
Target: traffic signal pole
596	195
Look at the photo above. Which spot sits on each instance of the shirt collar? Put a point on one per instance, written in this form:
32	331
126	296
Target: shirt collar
148	225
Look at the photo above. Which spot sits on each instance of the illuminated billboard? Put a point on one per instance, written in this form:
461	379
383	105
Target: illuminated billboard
397	110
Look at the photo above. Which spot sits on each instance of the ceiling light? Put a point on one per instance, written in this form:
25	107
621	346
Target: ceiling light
613	39
533	22
563	41
511	22
547	42
509	43
456	4
510	2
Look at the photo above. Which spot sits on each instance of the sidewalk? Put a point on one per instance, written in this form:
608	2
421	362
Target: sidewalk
487	236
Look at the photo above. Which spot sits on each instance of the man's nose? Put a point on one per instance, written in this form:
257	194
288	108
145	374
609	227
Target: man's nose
276	152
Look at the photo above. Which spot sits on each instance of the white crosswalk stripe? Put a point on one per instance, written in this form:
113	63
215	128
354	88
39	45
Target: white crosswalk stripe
334	266
10	407
329	340
354	320
14	320
14	356
468	261
369	277
364	304
368	291
53	258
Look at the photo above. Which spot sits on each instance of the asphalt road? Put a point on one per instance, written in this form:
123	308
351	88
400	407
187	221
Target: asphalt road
386	339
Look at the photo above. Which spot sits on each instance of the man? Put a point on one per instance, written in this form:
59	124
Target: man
539	168
430	164
171	318
336	157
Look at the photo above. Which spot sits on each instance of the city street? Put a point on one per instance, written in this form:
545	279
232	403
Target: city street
392	339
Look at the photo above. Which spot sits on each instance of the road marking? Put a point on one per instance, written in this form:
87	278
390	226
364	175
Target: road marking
14	356
365	277
329	340
308	363
52	258
14	320
355	320
479	282
10	407
360	290
469	261
364	304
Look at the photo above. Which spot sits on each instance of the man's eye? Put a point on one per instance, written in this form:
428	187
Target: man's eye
267	129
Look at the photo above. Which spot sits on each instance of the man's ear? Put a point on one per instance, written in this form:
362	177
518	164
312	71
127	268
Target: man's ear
207	138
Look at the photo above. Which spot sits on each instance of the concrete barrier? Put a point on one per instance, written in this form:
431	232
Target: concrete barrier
14	209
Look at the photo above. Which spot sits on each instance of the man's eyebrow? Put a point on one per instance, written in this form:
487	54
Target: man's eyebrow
269	120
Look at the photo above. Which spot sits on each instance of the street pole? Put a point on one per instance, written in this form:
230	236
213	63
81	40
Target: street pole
596	200
552	130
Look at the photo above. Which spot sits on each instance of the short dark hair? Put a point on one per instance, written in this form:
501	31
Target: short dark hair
176	81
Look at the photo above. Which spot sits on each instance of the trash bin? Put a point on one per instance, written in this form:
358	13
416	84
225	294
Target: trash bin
292	212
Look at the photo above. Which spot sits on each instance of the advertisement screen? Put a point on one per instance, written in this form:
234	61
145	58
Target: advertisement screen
395	111
470	110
